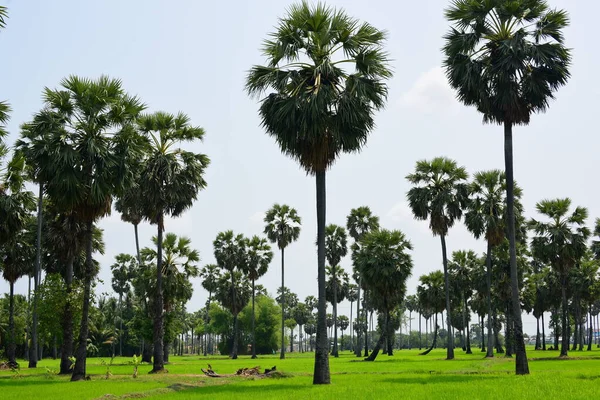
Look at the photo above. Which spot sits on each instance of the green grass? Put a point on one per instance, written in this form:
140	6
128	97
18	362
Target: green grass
405	375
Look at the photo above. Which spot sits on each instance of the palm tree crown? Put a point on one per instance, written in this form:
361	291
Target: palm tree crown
316	109
440	193
506	57
282	225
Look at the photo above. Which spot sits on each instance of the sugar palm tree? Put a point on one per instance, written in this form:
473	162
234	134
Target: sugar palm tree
430	293
210	275
282	226
258	258
93	150
561	242
507	58
317	110
486	216
231	255
172	178
440	194
595	247
359	222
122	271
412	304
385	265
462	267
336	248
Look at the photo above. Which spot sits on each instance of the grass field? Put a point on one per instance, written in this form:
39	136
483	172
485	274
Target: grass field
405	375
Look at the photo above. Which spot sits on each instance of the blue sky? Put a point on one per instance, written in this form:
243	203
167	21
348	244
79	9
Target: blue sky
192	56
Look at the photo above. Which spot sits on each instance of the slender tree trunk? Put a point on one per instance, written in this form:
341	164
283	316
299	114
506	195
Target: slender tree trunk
564	350
351	330
253	323
521	364
234	345
321	371
390	349
488	264
147	353
282	353
591	328
409	328
12	362
121	324
358	349
483	337
206	322
137	244
450	345
159	324
508	334
66	349
434	342
466	324
537	333
420	330
366	324
28	329
33	359
79	370
377	347
291	340
335	344
543	333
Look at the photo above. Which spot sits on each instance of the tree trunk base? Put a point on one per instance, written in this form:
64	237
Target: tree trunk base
159	371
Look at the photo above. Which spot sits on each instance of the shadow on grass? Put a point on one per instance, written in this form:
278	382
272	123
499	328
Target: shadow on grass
440	378
246	391
28	380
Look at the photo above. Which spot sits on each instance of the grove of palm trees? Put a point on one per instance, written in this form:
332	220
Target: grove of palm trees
274	201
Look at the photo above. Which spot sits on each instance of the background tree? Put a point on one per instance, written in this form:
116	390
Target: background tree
336	248
440	194
431	295
561	243
385	265
121	276
507	59
210	275
258	258
234	294
461	268
282	227
317	110
412	304
172	179
230	253
359	222
301	315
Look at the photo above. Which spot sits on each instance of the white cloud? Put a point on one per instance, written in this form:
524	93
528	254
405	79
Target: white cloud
431	93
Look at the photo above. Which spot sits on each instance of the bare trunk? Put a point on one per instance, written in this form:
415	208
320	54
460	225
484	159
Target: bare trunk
335	344
234	345
521	364
564	349
66	349
79	370
434	342
591	328
282	354
358	349
543	333
366	325
488	277
321	371
12	362
468	340
253	323
450	343
159	327
33	359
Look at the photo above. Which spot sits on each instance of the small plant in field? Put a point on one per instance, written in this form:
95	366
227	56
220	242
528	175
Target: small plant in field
72	359
136	361
108	373
16	372
50	373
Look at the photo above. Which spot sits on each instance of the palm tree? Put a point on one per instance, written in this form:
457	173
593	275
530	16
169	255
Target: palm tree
301	315
282	227
595	247
343	323
506	59
258	258
210	278
122	271
234	294
561	242
412	304
336	247
385	265
179	265
440	194
359	222
231	255
486	216
352	297
316	110
172	178
461	268
93	150
130	207
430	293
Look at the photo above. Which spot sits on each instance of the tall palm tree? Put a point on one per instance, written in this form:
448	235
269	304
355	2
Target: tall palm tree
359	222
560	242
282	227
461	268
210	275
385	265
486	216
231	255
258	258
336	248
122	271
507	58
412	304
172	178
440	194
316	110
94	149
33	144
